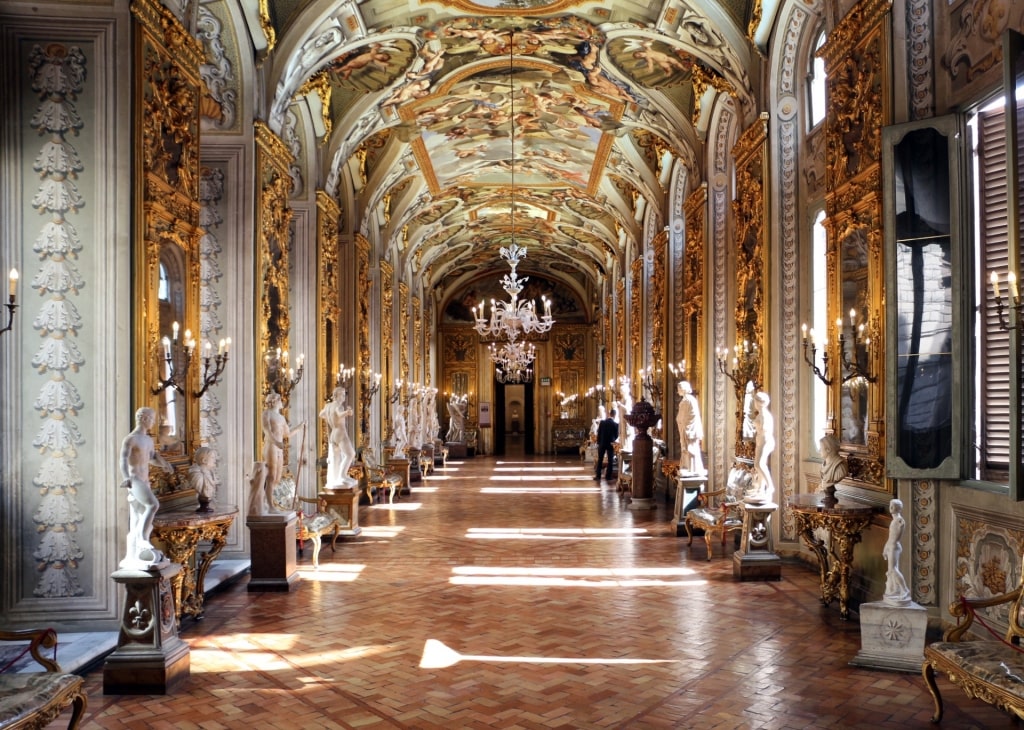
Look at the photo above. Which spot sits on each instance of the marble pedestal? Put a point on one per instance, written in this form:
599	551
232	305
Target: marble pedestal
756	558
642	469
414	466
892	637
272	548
150	659
457	449
401	467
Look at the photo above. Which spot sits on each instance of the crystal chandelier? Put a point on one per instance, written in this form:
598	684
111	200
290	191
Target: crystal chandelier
513	320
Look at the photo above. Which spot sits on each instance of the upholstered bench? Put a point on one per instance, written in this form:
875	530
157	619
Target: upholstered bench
34	699
989	670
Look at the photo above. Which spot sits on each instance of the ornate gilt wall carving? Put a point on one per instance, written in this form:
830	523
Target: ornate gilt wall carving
364	284
403	330
418	351
620	327
656	298
274	242
856	63
387	312
329	321
168	90
636	316
692	301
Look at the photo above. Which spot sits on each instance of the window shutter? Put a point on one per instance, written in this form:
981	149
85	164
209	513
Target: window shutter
995	342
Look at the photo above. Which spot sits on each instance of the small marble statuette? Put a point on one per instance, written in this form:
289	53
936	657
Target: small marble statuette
896	591
762	487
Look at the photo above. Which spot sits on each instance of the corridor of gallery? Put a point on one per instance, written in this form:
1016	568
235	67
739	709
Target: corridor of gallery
520	593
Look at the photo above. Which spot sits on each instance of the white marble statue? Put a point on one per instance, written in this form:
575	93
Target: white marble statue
602	414
399	431
623	407
691	431
433	423
260	500
833	466
762	487
415	416
203	477
457	411
137	453
896	591
340	451
276	433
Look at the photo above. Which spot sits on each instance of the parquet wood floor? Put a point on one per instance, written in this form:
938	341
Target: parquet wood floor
521	593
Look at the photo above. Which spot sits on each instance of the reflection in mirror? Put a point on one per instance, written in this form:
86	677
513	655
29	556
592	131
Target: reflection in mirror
171	299
924	301
854	390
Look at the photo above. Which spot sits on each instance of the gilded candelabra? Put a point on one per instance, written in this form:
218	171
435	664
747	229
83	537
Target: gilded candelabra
282	378
1002	307
177	362
11	306
651	384
746	365
370	386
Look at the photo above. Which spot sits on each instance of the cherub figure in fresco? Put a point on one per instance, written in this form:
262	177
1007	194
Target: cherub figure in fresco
374	55
652	58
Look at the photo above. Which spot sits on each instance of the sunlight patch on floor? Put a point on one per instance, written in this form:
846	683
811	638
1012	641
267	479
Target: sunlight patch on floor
438	655
472	575
540	490
380	531
331	572
398	506
545	470
423	490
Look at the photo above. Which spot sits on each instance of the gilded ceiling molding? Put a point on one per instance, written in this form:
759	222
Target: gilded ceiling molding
267	26
273	227
58	75
291	137
328	285
320	84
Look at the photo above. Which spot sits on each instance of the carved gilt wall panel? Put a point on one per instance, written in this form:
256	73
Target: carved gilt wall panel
328	297
403	330
692	301
620	327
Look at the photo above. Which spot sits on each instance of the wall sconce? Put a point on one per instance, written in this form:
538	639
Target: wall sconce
370	382
12	290
811	343
650	382
281	378
746	362
678	370
177	361
1001	307
860	340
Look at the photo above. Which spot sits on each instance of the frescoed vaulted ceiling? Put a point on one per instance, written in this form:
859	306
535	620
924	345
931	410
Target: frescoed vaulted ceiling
451	126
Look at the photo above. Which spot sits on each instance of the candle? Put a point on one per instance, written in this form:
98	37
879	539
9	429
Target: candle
174	331
207	347
167	348
12	284
227	345
803	328
853	317
1011	281
995	284
810	332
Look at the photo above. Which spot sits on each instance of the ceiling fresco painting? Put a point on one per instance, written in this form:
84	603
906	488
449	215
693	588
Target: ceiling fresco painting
555	124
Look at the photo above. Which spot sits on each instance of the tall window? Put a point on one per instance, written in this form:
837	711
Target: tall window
991	437
819	321
816	85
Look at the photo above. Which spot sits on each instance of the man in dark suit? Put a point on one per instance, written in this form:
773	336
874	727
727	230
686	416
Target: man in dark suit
607	433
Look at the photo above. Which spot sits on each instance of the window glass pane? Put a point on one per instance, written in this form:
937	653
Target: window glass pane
816	85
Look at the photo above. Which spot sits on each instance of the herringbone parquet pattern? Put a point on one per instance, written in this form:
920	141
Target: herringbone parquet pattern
525	595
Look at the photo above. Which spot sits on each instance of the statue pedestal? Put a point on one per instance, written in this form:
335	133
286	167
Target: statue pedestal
457	450
150	658
272	548
756	558
892	637
414	465
400	467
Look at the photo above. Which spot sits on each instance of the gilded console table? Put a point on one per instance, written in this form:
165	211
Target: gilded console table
844	521
179	533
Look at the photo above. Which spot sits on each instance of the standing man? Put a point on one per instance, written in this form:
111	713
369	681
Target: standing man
607	433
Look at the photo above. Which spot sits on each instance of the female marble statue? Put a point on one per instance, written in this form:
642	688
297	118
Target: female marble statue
340	451
275	436
762	485
896	590
137	453
624	406
457	411
399	433
691	430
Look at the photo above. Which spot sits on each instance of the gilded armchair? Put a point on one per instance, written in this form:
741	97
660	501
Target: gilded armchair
718	513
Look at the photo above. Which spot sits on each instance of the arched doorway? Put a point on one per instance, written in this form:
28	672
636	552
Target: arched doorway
514	422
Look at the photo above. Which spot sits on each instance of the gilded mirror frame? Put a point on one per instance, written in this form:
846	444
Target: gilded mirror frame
166	232
857	61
